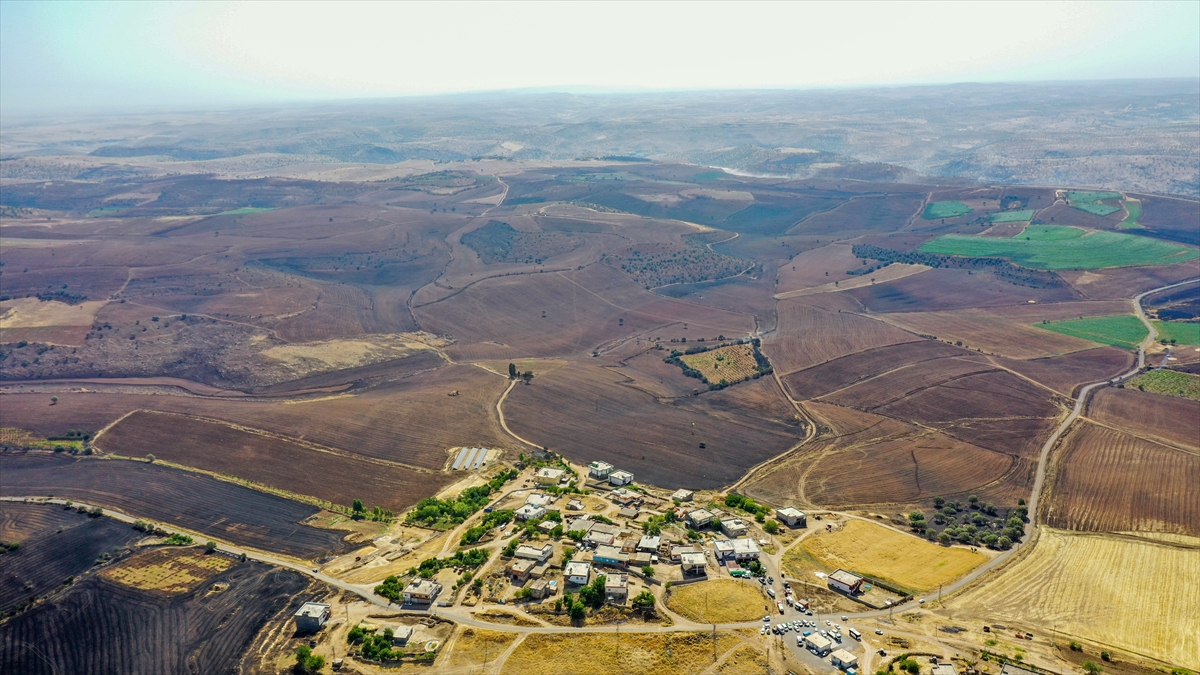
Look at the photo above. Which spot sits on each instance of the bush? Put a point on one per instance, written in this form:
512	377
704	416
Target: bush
306	661
648	571
771	527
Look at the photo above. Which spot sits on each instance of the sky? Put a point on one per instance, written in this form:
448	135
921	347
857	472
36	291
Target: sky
95	56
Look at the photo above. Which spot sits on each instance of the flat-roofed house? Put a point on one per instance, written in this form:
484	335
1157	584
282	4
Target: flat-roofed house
548	476
421	592
529	512
649	544
843	659
610	555
311	616
734	527
527	552
578	572
746	548
693	564
616	588
600	470
791	516
699	518
619	477
683	495
846	582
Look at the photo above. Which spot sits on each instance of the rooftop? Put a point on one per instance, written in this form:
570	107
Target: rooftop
600	466
845	577
692	558
547	472
421	587
312	609
846	657
577	568
790	512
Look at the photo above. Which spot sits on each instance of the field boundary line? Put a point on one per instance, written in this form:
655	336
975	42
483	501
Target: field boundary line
1148	439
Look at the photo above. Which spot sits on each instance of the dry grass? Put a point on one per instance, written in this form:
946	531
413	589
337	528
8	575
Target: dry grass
888	555
602	654
168	570
1127	593
717	601
745	659
34	313
473	648
731	364
506	618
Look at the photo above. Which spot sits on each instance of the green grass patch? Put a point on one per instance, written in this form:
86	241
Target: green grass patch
1011	216
936	210
1134	207
247	210
1084	197
710	175
1182	332
1054	247
1125	331
1096	209
1168	382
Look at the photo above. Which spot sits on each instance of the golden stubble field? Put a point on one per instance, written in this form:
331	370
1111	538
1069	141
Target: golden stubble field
1132	594
882	553
609	653
717	601
168	570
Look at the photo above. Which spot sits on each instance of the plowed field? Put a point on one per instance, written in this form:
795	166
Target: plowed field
1163	418
808	335
1111	481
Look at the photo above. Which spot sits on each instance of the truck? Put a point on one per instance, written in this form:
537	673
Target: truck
771	592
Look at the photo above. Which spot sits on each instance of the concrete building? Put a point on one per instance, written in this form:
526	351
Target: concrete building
610	555
734	527
745	549
791	516
677	551
401	635
520	569
548	476
578	573
527	552
421	592
683	495
815	641
723	548
693	564
529	512
616	588
628	513
699	518
600	470
619	477
641	559
845	582
311	616
574	505
547	526
649	544
582	524
543	588
540	499
1010	669
840	658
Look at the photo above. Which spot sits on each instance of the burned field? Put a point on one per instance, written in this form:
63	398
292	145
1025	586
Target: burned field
57	544
300	468
99	625
194	501
1111	481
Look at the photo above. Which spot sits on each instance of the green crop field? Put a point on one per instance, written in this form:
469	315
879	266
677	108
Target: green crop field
1054	247
1182	332
935	210
1011	216
1096	209
247	210
1083	197
1168	382
1134	207
1125	331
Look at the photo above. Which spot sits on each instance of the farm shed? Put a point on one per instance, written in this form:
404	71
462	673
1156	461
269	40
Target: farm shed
578	573
845	582
693	564
699	518
619	477
543	588
401	635
792	516
529	512
311	616
548	476
421	591
600	470
683	495
845	660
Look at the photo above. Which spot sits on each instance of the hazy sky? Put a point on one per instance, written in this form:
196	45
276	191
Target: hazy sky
95	55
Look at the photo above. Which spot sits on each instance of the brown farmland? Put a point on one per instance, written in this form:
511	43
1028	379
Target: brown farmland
949	289
330	476
238	514
1065	374
584	412
1111	481
1165	419
846	370
809	334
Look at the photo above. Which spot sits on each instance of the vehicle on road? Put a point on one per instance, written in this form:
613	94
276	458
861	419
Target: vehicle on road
878	632
768	618
855	634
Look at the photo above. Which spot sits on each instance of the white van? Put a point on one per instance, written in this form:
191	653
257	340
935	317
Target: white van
771	592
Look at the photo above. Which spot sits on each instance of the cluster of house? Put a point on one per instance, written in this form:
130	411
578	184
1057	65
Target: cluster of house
605	471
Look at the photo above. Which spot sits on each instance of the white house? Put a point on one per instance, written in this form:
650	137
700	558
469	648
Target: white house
815	641
311	616
533	553
421	591
649	544
845	582
792	516
600	470
578	573
548	476
745	549
540	499
619	477
616	588
529	512
734	527
683	495
843	659
693	563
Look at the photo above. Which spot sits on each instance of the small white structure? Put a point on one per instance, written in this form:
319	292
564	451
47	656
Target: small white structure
421	591
792	516
600	470
527	552
844	581
845	660
734	527
311	616
401	635
683	495
619	477
529	512
699	518
548	476
649	544
578	573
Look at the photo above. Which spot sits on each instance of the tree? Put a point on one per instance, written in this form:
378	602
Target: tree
512	371
644	599
648	571
944	538
358	507
53	400
1004	542
1091	667
210	547
306	661
150	458
771	527
578	611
